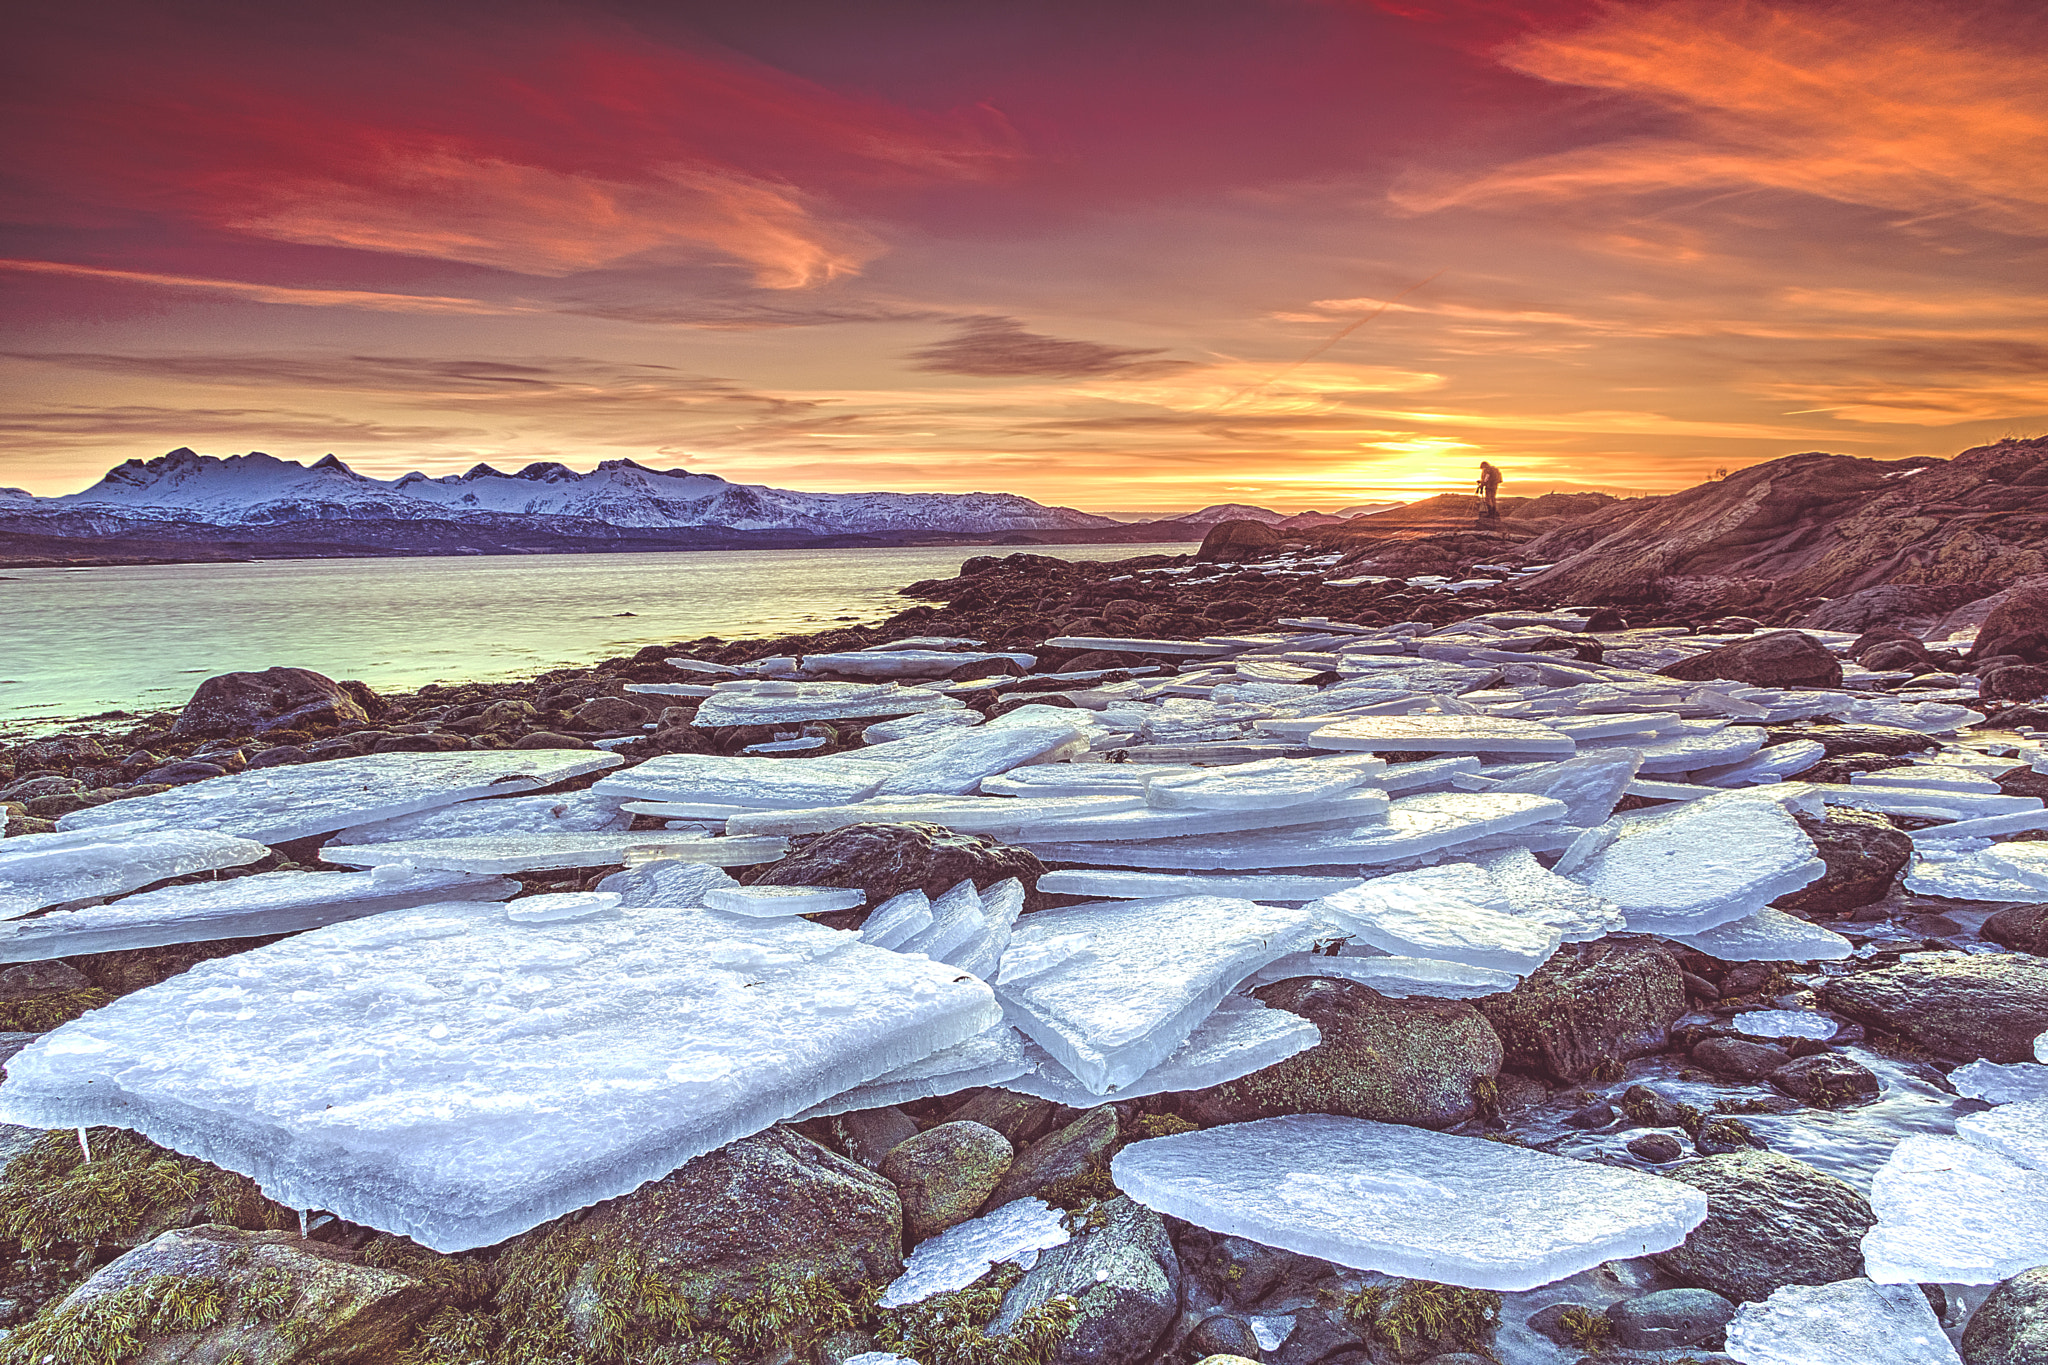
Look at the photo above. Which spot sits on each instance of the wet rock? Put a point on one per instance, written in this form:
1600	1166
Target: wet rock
610	713
1864	854
1598	1114
1224	1335
1771	1221
1827	1080
2011	1326
1568	1324
1720	1134
1417	1061
1234	540
1783	658
1320	1338
1022	1119
1242	1272
275	699
2014	682
1856	739
883	859
1961	1005
548	739
1658	1147
281	1300
944	1174
1671	1318
2017	626
1124	1276
2022	928
1592	1003
1739	1059
1081	1147
871	1134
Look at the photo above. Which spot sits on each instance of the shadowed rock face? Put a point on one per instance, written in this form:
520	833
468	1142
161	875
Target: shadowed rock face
1783	658
1818	525
1231	540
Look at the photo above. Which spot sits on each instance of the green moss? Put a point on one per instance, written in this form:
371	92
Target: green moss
45	1012
949	1329
1588	1330
1443	1316
111	1329
1161	1125
52	1196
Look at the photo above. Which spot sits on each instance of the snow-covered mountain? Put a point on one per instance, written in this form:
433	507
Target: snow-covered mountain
258	490
1238	511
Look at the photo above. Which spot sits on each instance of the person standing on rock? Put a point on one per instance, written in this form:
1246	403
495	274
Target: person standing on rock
1489	486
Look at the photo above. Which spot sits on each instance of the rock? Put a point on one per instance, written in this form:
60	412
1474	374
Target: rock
1022	1119
1720	1134
63	751
1124	1276
1063	1155
1320	1338
1242	1272
1783	658
944	1174
767	1210
2011	1326
1592	1003
1962	1005
1827	1080
1905	656
1235	540
1864	854
30	980
871	1134
1855	739
548	739
420	744
1658	1147
1556	1322
1417	1061
1671	1318
36	788
883	859
183	771
2022	928
1771	1221
1738	1058
1598	1114
281	756
267	1298
611	713
1223	1336
275	699
2014	682
2017	626
1907	608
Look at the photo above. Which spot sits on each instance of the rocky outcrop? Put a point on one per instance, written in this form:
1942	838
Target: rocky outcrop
1235	540
2011	1326
1864	853
1961	1005
1591	1004
275	699
1913	608
2017	627
1783	658
1771	1221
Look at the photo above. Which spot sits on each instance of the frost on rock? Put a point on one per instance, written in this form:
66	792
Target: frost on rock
241	907
2001	1082
895	920
1450	913
1951	1212
1850	1320
542	852
1391	976
1270	784
2017	1130
771	901
1706	864
38	870
569	813
1413	826
1768	936
1443	734
1533	891
1239	1037
454	1076
963	1254
991	1057
277	805
763	783
677	885
1119	885
778	703
1407	1201
1115	988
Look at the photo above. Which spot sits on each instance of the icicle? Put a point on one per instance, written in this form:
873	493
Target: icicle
85	1144
305	1222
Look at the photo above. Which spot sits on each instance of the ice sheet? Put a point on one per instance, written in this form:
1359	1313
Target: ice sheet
779	703
2001	1082
1400	977
676	885
974	755
1769	936
1704	864
542	852
1239	1037
766	783
1951	1212
2017	1130
1443	734
768	902
1449	913
991	1057
1117	885
570	813
38	870
1271	784
1850	1320
962	1254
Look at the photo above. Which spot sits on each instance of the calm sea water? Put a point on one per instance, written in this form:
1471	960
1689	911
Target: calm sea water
74	642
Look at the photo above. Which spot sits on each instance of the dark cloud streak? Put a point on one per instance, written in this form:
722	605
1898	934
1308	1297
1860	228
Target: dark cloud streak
1001	348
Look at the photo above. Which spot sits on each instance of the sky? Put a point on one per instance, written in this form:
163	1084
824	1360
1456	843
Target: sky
1137	257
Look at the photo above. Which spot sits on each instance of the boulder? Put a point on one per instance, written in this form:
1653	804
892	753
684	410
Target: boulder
2022	928
211	1294
1417	1061
1855	739
1235	540
275	699
611	713
1961	1005
1022	1119
1738	1059
2018	625
1864	854
548	739
1083	1146
1783	658
868	1135
1827	1080
1592	1003
944	1173
1909	608
1123	1275
883	859
1223	1336
184	770
2011	1326
1671	1318
2014	682
62	751
1771	1221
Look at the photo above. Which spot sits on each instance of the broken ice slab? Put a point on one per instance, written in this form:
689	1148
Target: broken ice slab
907	663
686	810
675	885
768	902
1849	1320
1669	791
1701	744
671	689
1951	1212
1930	803
1431	774
1274	783
1772	763
962	1254
1704	864
2001	1082
1413	826
776	703
923	723
1442	734
978	753
241	907
1784	1024
982	953
1240	1036
706	666
1768	936
897	919
38	870
991	1057
1929	718
1986	827
1121	644
545	852
956	917
556	906
1115	988
277	805
1400	977
1081	779
997	816
1407	1201
1590	785
451	1075
1929	776
763	783
1450	913
1532	891
1614	726
1354	807
1116	885
2017	1130
570	813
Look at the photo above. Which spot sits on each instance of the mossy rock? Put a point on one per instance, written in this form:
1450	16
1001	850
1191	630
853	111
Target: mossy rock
1591	1007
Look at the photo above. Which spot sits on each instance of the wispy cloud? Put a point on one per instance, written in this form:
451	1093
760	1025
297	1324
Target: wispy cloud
299	296
998	348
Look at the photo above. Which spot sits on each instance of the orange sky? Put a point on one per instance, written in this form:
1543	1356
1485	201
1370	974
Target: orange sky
1148	256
